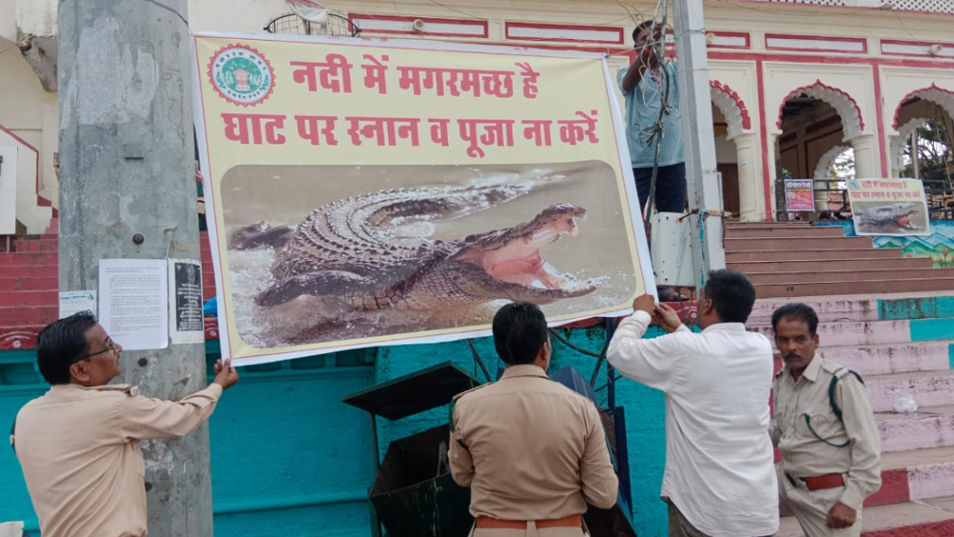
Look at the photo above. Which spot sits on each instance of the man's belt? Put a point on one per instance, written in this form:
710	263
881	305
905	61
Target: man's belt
818	482
572	521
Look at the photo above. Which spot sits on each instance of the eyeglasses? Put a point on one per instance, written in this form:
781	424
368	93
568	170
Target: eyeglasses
110	346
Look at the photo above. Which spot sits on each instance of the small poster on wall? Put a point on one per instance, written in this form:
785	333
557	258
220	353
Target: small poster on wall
799	195
76	301
889	207
186	324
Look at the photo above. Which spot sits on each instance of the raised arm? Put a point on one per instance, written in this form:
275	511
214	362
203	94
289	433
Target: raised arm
143	417
653	362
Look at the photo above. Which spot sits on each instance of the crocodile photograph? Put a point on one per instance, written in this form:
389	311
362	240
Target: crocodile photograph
409	259
902	218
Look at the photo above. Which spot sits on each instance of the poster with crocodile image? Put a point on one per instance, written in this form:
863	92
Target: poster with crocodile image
888	207
377	192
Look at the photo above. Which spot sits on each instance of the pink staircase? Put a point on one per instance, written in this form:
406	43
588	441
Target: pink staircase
28	289
796	260
902	347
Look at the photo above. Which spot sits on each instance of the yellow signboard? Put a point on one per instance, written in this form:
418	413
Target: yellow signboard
367	192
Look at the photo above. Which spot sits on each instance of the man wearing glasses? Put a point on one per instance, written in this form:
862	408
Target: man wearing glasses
78	444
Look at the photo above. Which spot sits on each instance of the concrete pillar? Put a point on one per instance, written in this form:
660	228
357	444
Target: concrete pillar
770	183
127	190
695	106
751	182
867	159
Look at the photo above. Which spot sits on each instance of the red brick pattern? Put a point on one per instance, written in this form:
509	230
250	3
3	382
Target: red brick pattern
29	283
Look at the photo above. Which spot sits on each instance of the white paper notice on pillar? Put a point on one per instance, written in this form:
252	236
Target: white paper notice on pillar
8	189
134	302
186	322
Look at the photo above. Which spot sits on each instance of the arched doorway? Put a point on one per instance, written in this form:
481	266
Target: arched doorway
924	146
815	122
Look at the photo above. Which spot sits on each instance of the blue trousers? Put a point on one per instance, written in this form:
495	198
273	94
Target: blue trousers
670	187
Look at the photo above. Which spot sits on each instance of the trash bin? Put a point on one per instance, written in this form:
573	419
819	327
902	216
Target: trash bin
413	492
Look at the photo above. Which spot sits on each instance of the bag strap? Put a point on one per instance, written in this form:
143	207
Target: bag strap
831	390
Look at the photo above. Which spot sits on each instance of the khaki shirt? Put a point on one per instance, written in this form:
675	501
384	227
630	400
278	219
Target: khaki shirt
79	450
530	449
803	454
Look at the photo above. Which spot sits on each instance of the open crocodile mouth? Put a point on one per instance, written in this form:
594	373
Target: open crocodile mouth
513	255
904	220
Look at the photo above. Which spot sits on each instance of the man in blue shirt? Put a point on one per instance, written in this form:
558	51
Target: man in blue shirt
648	85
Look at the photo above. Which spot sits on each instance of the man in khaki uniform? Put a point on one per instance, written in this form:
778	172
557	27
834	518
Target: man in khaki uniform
78	444
532	451
829	465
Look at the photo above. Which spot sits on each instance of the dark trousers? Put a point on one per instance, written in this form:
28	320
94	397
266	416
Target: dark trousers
670	187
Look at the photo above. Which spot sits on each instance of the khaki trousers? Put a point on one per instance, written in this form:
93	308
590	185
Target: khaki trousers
811	509
531	531
679	526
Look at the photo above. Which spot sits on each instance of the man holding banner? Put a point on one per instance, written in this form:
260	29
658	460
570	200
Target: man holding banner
720	478
78	444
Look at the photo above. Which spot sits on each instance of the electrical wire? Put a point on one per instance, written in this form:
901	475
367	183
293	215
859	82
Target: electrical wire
660	75
478	360
567	342
447	7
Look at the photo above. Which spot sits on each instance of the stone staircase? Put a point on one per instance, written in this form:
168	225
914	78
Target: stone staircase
902	345
797	260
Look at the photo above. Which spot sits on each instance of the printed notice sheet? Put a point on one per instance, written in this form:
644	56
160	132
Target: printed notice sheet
134	302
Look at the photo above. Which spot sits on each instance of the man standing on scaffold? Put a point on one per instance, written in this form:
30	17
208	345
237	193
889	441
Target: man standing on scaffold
653	123
654	128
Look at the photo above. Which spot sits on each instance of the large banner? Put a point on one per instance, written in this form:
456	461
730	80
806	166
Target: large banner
889	207
369	192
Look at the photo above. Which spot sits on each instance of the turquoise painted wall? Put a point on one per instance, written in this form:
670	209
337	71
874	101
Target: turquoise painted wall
18	384
938	245
288	458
